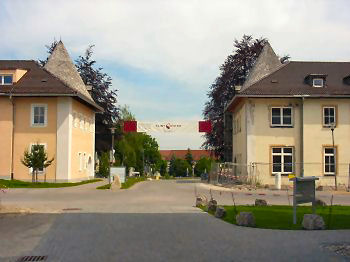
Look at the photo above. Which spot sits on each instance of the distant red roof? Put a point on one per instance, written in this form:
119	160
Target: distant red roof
196	154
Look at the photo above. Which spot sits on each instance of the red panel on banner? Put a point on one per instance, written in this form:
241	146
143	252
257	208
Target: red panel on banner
130	126
204	126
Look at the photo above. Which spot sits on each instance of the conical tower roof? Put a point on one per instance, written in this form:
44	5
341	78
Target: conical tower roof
266	63
61	65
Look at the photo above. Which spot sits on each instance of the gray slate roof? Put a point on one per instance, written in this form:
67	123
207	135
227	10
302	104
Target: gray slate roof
290	80
266	63
61	65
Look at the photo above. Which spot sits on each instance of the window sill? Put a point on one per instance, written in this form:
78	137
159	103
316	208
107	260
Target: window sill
281	126
282	174
45	125
331	175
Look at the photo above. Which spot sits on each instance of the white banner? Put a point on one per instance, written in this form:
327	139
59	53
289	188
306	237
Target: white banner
168	127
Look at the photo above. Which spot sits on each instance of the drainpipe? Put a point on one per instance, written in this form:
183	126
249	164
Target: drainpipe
12	135
302	137
302	133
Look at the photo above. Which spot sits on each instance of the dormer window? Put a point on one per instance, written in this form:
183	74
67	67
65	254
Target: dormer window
6	79
317	82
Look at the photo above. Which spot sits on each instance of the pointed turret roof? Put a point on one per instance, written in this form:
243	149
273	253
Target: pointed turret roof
266	63
61	66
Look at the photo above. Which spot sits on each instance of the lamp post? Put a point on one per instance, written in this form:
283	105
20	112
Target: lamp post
332	126
111	155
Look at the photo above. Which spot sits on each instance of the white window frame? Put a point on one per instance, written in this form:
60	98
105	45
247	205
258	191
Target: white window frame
2	80
334	154
30	149
282	154
316	79
32	115
324	116
281	116
75	119
81	121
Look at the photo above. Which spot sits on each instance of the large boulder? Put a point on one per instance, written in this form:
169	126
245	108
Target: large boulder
220	212
245	219
212	205
313	222
116	184
201	201
260	202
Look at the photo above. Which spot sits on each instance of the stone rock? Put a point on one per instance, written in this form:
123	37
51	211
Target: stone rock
201	201
212	205
313	222
220	212
116	184
149	179
320	202
260	202
245	219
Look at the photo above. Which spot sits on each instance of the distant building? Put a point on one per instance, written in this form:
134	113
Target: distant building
196	154
50	106
283	116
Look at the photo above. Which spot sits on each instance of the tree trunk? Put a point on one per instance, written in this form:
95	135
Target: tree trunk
36	175
33	176
45	176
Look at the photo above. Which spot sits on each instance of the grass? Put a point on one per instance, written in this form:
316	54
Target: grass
22	184
280	217
130	181
107	186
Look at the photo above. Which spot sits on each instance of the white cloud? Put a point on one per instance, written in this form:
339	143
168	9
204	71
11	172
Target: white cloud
186	40
182	40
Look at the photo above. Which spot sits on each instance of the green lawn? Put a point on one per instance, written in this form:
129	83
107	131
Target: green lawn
130	181
23	184
280	217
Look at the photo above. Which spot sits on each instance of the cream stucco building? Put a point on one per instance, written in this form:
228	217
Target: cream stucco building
283	116
50	106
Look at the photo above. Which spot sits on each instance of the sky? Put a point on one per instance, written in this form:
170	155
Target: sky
163	55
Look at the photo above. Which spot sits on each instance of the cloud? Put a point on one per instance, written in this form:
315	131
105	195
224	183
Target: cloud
181	44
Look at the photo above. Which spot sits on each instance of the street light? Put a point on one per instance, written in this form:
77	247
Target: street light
111	155
332	127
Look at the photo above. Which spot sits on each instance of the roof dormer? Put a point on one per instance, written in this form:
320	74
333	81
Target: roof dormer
316	80
10	76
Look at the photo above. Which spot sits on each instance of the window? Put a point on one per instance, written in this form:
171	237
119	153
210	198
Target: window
6	79
317	82
282	160
329	116
329	160
39	115
281	116
84	161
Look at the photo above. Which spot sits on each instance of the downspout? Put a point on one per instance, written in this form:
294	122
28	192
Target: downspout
12	135
302	137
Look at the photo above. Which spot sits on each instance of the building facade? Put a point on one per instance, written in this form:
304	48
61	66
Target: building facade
293	118
49	106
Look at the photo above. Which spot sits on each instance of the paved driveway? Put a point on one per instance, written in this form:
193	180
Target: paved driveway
153	221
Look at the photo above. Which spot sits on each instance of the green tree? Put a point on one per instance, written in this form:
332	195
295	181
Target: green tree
103	169
163	167
189	157
36	159
181	168
172	165
203	165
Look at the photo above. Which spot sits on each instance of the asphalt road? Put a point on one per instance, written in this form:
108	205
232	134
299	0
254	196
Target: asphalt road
153	221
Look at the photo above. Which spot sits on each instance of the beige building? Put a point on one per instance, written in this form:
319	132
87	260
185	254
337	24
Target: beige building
283	118
50	106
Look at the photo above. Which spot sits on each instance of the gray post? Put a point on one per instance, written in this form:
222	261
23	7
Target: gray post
294	201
